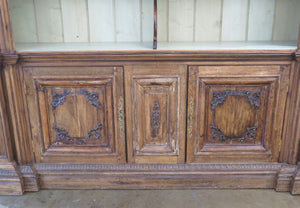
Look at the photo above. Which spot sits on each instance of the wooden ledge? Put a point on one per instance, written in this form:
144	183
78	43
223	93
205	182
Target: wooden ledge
159	55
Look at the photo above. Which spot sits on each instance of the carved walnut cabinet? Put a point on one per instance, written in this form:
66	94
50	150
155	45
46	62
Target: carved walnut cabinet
149	95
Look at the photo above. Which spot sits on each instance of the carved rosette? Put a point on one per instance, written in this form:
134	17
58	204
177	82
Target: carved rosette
218	99
155	118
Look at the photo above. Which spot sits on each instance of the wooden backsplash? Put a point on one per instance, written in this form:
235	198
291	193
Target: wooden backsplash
132	20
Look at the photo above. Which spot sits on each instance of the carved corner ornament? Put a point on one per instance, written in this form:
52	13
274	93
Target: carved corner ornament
155	118
59	99
190	116
219	98
92	98
218	134
63	137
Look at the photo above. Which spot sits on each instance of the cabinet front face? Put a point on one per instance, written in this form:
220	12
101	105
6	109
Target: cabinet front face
156	101
76	114
235	113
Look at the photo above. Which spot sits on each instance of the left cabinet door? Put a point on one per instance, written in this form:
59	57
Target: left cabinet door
76	114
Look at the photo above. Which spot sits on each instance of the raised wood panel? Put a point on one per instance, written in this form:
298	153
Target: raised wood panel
235	113
76	114
155	113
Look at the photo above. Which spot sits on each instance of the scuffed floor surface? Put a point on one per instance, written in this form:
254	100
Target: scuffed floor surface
152	199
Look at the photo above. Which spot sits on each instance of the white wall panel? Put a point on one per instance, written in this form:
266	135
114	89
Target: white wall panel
181	20
49	20
102	20
75	20
261	16
208	20
235	13
23	19
128	20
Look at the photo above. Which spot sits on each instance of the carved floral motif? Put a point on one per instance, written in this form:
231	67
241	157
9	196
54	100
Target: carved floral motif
95	133
218	134
59	99
219	98
92	98
63	137
155	118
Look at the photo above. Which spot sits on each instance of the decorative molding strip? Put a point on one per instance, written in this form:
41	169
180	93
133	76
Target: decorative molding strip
121	117
190	116
92	98
155	118
6	173
59	99
220	97
95	132
159	167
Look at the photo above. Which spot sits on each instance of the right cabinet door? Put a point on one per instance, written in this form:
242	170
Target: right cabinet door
235	113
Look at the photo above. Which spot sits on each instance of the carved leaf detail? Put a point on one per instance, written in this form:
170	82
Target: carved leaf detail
220	97
92	98
59	99
155	118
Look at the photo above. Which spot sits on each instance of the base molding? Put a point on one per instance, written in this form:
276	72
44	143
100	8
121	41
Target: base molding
11	182
295	187
30	178
278	176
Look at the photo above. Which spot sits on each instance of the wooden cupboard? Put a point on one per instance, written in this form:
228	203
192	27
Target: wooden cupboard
86	102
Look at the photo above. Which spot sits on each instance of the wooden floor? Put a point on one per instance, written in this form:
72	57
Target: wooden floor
152	199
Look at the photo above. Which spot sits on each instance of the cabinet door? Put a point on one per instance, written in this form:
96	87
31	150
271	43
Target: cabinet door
155	112
235	113
76	114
